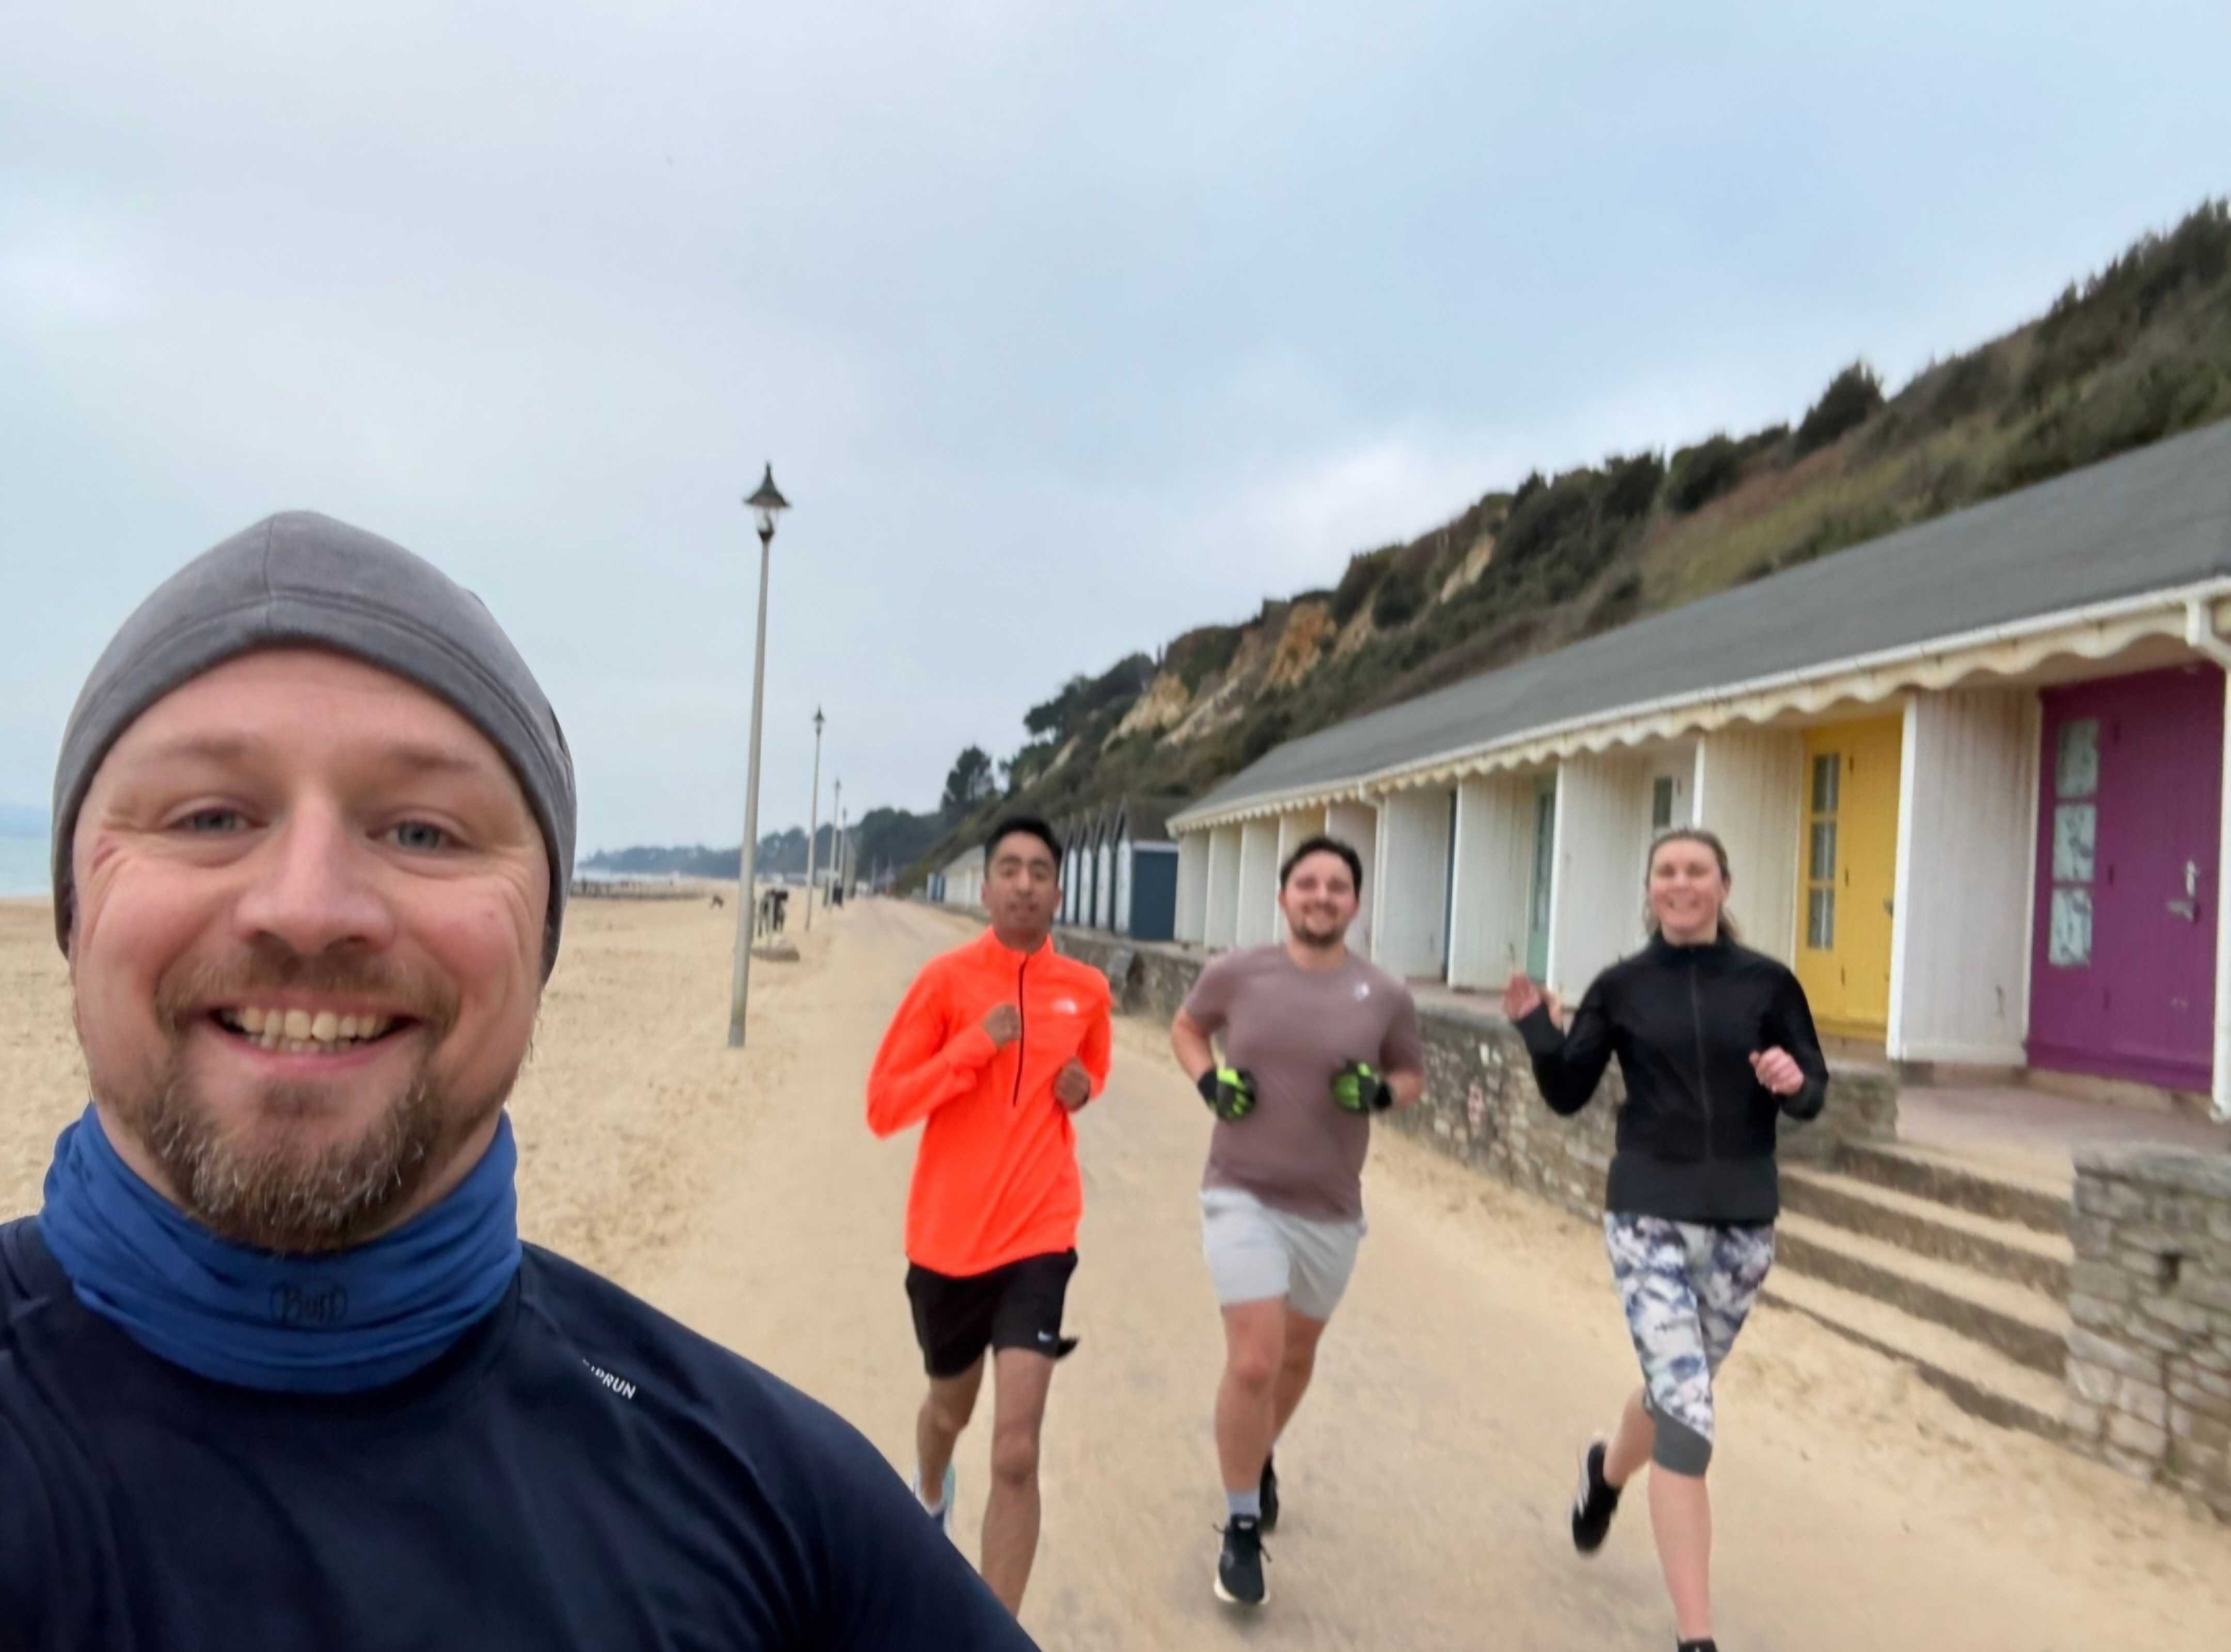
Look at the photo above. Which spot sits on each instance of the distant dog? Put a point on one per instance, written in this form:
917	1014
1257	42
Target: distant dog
718	901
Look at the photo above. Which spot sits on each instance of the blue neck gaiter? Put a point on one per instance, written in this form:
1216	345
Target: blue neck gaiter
335	1324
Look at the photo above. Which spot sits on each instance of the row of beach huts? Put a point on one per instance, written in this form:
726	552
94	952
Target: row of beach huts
1970	777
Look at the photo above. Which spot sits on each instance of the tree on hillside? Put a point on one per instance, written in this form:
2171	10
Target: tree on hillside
892	837
1358	580
1047	717
1703	473
1083	697
1018	771
971	781
1850	400
1634	484
1400	597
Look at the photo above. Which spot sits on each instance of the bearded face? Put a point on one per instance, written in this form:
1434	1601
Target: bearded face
1319	901
305	948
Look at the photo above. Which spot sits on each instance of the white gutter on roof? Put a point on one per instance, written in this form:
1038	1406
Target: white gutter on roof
2113	625
2200	632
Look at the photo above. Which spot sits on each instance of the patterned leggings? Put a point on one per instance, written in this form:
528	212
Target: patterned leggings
1687	1288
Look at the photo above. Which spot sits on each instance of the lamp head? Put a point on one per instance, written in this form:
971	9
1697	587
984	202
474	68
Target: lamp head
767	503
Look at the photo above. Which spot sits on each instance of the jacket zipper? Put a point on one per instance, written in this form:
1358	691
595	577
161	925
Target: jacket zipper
1022	1031
1704	1082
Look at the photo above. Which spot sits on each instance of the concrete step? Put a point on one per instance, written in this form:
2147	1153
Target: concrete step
2026	1325
2003	1193
1979	1380
1930	1227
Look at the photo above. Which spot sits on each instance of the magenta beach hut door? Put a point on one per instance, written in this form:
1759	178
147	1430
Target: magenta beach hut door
2122	977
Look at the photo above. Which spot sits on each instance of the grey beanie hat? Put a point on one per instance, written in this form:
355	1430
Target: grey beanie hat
297	578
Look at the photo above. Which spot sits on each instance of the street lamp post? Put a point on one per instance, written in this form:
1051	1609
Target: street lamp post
766	505
813	818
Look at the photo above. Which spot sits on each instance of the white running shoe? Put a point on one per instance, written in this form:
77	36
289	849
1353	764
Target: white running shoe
943	1512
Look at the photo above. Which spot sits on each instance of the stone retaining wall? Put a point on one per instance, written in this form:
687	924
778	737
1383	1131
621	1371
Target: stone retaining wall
2149	1372
1481	1105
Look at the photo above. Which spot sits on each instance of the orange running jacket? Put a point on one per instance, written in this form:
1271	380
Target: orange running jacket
995	1177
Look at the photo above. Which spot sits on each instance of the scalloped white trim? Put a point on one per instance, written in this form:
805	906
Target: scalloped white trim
2002	654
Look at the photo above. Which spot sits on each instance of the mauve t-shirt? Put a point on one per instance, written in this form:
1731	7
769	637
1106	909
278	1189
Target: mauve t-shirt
1293	1029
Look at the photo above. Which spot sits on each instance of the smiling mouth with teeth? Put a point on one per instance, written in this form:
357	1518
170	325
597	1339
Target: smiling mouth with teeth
303	1032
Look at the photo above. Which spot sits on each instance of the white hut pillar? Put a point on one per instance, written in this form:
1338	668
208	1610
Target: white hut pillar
1258	883
1750	793
1411	937
1356	824
1191	921
1493	865
1223	927
1967	856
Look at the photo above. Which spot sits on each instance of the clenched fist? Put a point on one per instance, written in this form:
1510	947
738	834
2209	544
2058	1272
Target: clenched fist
1777	1071
1004	1024
1072	1086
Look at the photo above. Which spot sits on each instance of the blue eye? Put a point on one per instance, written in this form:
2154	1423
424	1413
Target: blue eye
419	835
209	822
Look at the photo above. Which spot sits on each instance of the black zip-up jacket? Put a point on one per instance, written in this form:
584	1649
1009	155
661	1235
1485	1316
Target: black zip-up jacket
1696	1138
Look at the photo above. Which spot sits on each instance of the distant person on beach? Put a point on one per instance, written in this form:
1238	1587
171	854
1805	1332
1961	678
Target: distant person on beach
774	904
996	1043
1715	1043
1315	1041
275	1369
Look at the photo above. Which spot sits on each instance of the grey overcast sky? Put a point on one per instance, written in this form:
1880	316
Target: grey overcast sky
1065	325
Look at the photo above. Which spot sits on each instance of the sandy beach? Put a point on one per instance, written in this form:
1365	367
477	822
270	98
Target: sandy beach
1427	1475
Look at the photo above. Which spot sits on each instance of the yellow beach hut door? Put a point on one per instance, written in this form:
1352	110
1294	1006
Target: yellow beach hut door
1848	874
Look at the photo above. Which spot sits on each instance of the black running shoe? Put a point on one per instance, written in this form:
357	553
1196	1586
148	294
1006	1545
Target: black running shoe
1597	1502
1269	1494
1239	1567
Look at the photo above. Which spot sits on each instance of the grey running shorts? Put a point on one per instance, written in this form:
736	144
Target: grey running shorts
1258	1253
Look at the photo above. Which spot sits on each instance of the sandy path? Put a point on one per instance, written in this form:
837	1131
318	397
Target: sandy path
1426	1473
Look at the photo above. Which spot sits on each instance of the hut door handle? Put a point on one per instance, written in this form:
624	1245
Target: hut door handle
2188	908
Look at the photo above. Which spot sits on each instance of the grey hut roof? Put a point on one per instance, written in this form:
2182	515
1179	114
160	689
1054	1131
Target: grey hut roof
2153	519
1146	820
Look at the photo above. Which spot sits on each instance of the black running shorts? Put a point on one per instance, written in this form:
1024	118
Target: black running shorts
1015	1307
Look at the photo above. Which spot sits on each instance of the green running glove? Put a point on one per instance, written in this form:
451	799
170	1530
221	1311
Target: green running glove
1229	1092
1357	1087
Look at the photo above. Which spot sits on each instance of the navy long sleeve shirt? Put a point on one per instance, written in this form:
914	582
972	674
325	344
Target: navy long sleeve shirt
578	1472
